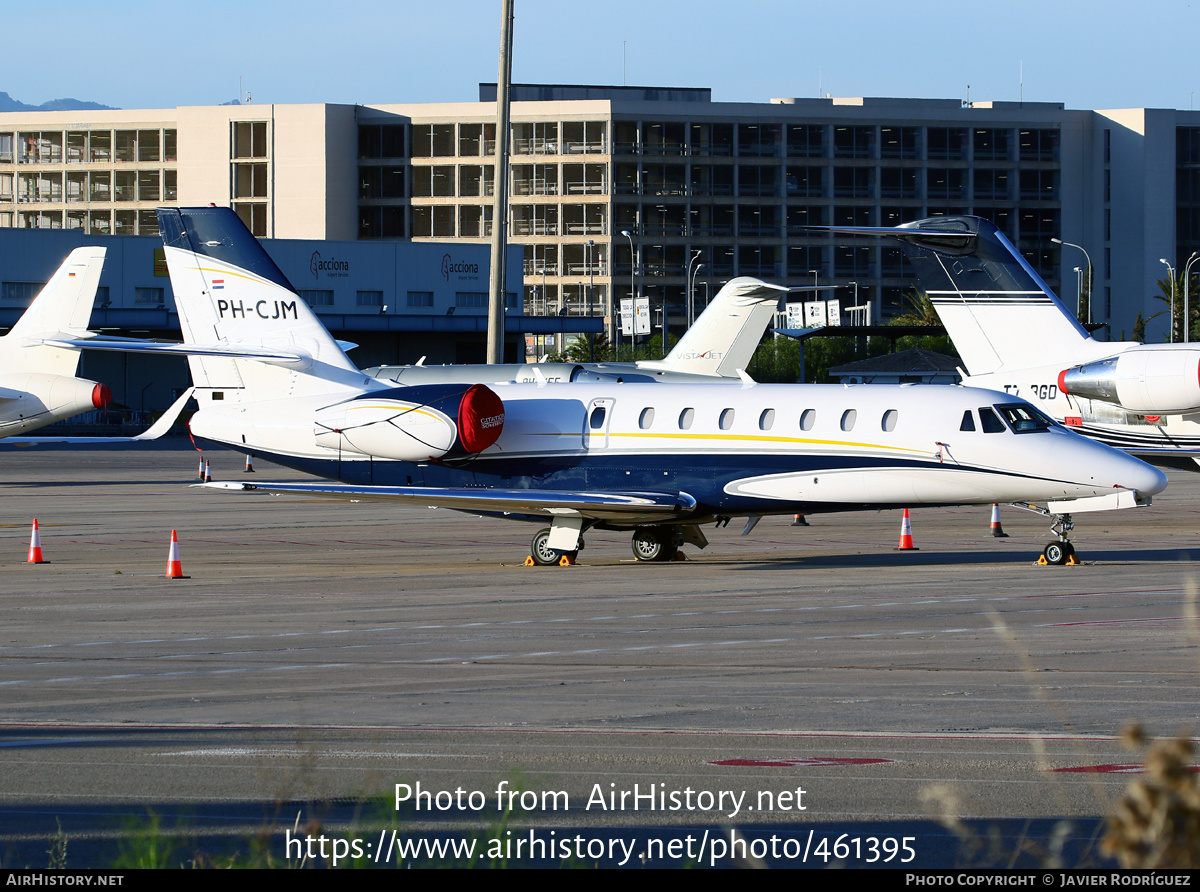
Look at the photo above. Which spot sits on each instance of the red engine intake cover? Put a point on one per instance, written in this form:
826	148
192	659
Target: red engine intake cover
101	396
480	418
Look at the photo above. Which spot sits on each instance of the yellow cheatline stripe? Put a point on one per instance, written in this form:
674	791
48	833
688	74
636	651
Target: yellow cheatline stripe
739	438
248	277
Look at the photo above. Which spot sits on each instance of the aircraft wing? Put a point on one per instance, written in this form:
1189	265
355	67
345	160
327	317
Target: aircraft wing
630	507
153	432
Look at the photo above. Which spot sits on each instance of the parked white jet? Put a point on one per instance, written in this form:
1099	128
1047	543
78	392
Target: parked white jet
37	382
40	354
1015	335
658	459
722	340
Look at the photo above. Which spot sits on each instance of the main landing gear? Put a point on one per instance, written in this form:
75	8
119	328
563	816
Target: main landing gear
543	555
650	544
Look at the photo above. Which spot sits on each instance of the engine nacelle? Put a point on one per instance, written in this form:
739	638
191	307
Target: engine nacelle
1147	379
46	398
414	423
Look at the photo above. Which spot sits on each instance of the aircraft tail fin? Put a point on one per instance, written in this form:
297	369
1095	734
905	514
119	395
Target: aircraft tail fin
62	308
725	336
998	311
235	302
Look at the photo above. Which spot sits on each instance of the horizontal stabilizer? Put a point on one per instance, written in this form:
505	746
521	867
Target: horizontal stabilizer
233	351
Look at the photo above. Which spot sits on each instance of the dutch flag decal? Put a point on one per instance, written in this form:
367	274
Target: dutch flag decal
218	284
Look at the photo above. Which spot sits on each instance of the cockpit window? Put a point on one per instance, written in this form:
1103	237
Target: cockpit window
1024	419
990	421
968	422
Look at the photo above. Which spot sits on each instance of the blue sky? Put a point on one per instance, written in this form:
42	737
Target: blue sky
1100	54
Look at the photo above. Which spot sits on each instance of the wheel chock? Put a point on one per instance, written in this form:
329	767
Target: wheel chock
530	562
565	561
1073	561
679	556
1041	561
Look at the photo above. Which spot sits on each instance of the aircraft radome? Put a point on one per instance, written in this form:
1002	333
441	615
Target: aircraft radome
1014	334
660	460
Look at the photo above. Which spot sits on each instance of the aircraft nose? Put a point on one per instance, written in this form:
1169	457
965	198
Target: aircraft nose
1143	478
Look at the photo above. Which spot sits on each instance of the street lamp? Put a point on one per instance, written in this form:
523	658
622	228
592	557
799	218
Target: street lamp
1078	290
690	280
1187	319
1171	270
1059	241
632	291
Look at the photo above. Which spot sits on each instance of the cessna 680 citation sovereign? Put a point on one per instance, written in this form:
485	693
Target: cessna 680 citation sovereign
658	459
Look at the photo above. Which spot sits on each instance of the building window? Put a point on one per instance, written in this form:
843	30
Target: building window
420	298
321	297
898	142
474	300
368	299
250	139
148	297
432	140
23	292
254	215
250	181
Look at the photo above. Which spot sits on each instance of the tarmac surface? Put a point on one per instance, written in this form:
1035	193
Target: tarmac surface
321	653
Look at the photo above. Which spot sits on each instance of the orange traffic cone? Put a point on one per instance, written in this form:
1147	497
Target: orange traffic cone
174	567
799	521
207	472
249	464
997	530
35	546
906	542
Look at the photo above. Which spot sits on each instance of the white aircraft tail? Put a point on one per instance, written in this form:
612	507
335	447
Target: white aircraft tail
725	336
998	311
62	309
243	323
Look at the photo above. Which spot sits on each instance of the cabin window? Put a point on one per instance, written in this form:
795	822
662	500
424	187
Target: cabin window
646	418
990	422
968	422
766	420
597	420
889	419
808	419
686	417
848	419
726	420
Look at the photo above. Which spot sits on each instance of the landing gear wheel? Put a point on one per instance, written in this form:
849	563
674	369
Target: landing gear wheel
1057	553
541	552
648	545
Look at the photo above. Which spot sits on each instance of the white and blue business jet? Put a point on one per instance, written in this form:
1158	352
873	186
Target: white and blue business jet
658	459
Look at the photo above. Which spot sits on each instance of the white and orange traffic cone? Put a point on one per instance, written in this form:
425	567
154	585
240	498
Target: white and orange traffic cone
200	471
249	469
906	540
174	567
35	546
997	530
207	472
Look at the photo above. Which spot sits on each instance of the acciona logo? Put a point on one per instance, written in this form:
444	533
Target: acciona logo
333	268
461	269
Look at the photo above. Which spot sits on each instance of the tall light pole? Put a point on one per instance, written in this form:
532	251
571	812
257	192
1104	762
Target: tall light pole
1078	290
632	270
1187	319
1088	256
695	257
591	246
1171	269
691	295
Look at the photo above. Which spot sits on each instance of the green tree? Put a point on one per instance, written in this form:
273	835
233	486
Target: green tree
1169	290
